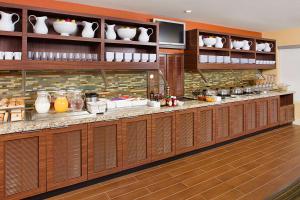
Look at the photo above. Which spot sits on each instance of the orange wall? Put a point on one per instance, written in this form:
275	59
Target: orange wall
123	14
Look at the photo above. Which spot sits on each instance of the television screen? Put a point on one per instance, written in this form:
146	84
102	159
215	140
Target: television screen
171	34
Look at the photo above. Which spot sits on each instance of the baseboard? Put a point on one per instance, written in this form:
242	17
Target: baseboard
297	122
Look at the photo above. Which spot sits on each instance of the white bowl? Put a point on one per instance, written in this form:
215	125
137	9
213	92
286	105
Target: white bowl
126	33
65	28
238	44
209	42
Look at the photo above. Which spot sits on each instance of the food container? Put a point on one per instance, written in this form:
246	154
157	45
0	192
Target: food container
154	104
96	107
91	97
224	92
248	90
17	115
237	91
209	92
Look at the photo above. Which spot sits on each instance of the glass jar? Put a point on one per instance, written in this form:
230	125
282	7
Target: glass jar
42	102
77	101
61	102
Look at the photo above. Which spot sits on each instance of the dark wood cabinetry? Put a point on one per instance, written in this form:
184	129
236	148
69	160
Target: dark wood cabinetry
237	119
287	109
250	117
262	114
66	156
222	119
163	136
23	165
206	124
104	148
136	136
172	66
274	111
186	130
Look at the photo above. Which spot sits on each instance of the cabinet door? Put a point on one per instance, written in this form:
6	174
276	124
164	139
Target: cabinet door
163	135
222	123
282	115
66	156
136	135
250	117
163	64
290	113
23	165
206	127
273	107
186	130
262	114
237	119
104	148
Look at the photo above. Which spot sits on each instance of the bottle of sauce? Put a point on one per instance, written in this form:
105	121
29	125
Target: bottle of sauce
61	103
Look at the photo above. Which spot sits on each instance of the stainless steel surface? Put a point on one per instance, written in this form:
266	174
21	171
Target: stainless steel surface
224	92
237	91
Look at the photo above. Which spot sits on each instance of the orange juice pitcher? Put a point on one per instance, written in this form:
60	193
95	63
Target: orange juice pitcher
61	102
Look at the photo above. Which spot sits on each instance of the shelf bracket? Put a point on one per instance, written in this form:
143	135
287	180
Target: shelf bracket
103	75
202	76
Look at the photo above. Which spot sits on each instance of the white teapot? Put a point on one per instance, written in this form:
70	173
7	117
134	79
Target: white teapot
6	23
144	37
201	43
247	45
268	47
40	26
88	31
110	32
237	44
219	43
42	102
260	47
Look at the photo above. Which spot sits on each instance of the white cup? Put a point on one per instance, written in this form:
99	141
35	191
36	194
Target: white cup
203	58
1	55
18	55
211	59
220	59
110	56
119	56
127	57
152	57
136	57
145	57
8	55
226	59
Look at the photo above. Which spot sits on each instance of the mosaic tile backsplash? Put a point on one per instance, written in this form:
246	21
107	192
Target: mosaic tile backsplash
118	83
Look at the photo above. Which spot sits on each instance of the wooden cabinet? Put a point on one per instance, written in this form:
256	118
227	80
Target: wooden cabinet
237	119
66	156
250	117
186	130
206	125
104	148
273	111
163	135
262	114
287	114
136	136
222	123
172	66
23	165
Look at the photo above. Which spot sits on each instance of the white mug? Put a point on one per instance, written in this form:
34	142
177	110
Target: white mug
8	55
145	57
110	56
127	57
136	57
119	56
18	55
152	57
1	55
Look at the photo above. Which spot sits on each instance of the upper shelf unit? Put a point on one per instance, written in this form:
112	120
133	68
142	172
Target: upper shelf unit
217	50
54	39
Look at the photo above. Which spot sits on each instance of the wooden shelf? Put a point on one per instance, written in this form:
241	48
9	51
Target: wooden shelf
12	34
215	66
59	37
126	42
266	53
214	49
11	64
129	65
241	51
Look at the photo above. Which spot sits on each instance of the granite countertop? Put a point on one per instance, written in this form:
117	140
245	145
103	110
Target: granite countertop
119	113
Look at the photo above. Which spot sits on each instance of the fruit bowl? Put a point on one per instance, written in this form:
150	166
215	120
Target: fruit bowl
65	28
126	33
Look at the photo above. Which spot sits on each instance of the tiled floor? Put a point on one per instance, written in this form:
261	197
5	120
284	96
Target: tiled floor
253	168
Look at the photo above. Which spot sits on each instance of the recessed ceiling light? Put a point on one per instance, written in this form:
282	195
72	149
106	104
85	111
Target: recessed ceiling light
188	11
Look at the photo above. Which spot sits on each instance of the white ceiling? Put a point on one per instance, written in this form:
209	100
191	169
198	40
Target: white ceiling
256	15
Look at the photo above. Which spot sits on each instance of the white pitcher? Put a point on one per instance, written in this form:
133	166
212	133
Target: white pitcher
247	45
42	102
88	30
201	43
268	47
220	43
110	32
6	23
40	26
144	37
